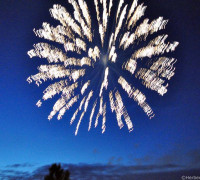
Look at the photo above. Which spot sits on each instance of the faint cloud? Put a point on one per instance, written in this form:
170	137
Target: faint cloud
194	157
136	146
20	165
119	160
111	160
95	151
143	160
115	160
174	156
106	172
13	175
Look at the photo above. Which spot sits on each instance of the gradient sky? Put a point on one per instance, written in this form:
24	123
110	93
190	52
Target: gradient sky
26	136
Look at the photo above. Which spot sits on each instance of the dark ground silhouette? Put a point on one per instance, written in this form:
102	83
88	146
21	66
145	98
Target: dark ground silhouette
57	173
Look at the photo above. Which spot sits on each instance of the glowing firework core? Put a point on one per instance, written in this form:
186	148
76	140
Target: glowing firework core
76	34
104	59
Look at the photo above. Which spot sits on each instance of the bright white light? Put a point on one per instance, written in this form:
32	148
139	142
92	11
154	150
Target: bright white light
82	46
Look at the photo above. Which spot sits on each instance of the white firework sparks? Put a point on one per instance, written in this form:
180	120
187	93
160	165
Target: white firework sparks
82	54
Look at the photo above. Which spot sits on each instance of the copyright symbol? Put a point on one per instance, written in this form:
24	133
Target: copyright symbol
183	178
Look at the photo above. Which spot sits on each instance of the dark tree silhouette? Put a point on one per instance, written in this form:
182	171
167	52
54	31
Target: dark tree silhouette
56	173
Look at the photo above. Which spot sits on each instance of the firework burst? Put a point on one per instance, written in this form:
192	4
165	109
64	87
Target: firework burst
77	65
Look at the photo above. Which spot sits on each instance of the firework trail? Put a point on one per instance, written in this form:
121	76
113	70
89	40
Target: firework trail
82	55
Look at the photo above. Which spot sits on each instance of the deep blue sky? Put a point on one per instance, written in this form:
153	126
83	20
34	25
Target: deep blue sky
26	136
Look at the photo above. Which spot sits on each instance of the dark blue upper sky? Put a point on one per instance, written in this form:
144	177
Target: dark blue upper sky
27	136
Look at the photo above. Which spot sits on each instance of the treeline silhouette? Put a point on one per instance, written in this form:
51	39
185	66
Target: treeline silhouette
57	173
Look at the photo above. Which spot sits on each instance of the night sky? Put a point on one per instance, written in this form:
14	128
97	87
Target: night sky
29	142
